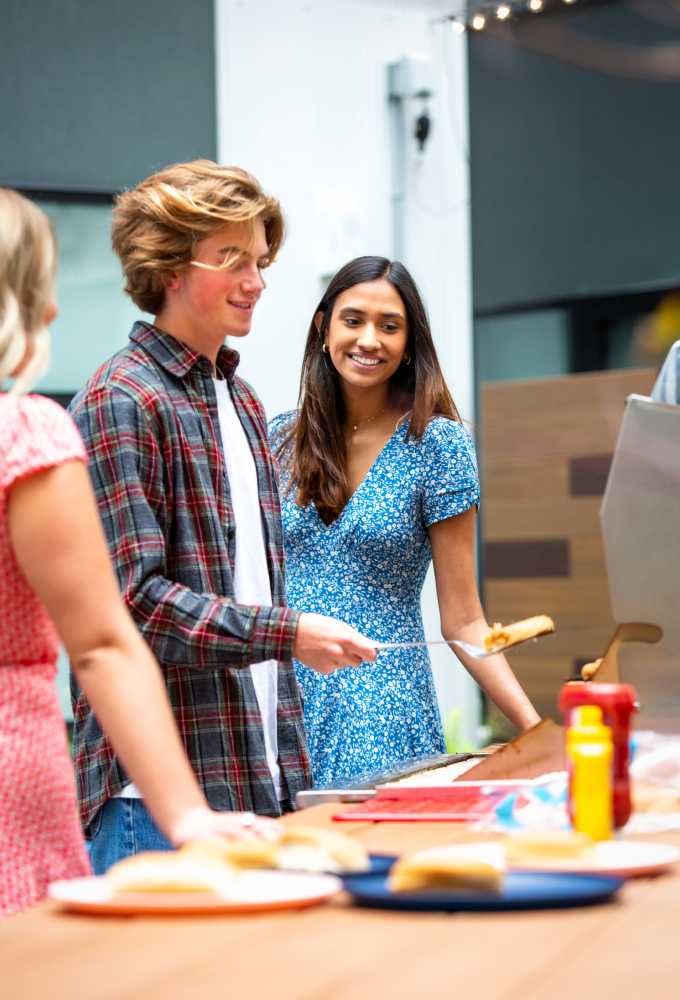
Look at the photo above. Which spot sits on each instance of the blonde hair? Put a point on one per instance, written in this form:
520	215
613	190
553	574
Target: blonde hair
28	259
157	224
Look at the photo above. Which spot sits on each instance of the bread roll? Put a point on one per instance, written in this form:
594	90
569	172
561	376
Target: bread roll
298	848
542	845
501	636
447	869
250	853
655	798
170	871
333	851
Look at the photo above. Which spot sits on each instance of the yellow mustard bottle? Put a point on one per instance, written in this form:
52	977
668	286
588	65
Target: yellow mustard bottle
589	752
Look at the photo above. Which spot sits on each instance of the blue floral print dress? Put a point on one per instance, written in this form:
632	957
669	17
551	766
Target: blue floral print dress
367	568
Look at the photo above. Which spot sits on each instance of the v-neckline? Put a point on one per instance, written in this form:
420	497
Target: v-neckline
363	482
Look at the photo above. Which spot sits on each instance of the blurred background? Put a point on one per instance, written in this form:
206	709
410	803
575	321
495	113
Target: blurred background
521	158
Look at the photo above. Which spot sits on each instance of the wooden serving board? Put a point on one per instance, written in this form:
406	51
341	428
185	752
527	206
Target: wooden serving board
539	750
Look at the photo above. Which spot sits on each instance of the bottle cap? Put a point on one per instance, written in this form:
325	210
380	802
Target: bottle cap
588	715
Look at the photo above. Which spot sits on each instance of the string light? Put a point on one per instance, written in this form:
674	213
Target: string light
503	12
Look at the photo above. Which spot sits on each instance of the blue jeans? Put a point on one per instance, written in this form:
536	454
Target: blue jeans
126	828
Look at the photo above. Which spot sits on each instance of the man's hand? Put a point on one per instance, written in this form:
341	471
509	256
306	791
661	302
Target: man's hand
202	823
324	644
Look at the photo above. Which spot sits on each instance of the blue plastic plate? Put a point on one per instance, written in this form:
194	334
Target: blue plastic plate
380	865
521	891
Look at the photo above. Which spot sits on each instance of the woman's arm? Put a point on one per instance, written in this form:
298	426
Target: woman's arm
461	615
59	545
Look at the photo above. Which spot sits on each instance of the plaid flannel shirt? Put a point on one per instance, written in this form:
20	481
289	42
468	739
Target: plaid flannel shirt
150	424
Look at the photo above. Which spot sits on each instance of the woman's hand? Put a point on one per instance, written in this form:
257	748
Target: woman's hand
197	824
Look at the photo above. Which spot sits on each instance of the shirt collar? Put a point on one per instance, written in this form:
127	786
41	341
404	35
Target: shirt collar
177	358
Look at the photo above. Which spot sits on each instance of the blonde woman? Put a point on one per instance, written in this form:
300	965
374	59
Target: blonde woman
56	581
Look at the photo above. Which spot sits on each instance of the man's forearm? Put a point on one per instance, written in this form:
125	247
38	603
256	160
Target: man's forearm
202	631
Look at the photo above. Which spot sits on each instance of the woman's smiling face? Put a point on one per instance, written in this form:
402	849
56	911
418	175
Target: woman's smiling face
368	333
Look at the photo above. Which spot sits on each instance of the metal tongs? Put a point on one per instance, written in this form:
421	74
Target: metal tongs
478	652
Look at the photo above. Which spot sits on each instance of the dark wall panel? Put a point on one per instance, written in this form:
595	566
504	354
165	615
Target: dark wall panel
94	96
575	173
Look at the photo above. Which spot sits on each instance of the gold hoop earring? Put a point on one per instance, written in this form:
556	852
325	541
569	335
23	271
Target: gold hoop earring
407	359
324	348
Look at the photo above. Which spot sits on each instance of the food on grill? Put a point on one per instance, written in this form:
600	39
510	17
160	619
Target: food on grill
501	636
434	777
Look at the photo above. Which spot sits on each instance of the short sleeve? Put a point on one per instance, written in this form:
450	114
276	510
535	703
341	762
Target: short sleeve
35	434
451	482
278	427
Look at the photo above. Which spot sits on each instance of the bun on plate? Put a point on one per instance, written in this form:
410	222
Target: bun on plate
170	871
542	845
313	848
298	848
250	853
448	868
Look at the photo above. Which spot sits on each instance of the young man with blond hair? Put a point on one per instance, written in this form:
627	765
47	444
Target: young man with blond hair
187	492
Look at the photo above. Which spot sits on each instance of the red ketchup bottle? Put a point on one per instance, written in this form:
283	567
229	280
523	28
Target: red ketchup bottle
618	702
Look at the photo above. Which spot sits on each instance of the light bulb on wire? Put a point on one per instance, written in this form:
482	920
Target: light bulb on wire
503	11
478	22
535	6
458	26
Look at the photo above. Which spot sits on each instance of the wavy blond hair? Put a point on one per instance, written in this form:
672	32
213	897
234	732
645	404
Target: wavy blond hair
157	225
28	259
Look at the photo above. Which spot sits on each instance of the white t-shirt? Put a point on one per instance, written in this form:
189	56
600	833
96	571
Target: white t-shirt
251	573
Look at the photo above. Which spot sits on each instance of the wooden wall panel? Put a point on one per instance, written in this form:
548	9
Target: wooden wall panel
544	451
555	517
507	478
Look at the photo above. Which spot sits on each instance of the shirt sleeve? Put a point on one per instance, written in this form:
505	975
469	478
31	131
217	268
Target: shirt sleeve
182	627
39	435
451	482
278	426
667	386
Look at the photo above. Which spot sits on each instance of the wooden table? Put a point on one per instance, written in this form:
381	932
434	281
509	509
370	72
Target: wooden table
628	950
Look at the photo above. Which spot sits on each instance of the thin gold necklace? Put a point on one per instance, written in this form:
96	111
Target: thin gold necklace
367	420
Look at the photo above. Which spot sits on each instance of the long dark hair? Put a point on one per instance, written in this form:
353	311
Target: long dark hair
313	447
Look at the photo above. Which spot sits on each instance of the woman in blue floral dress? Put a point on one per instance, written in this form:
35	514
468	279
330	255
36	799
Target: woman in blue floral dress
378	477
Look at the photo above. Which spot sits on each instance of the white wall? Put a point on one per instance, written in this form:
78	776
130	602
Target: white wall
302	104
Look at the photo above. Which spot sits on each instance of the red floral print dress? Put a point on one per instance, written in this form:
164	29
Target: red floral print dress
40	835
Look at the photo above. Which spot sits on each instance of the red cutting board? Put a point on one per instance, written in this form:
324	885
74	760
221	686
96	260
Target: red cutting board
465	802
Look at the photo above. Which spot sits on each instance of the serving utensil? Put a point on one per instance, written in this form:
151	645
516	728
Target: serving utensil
479	652
606	669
